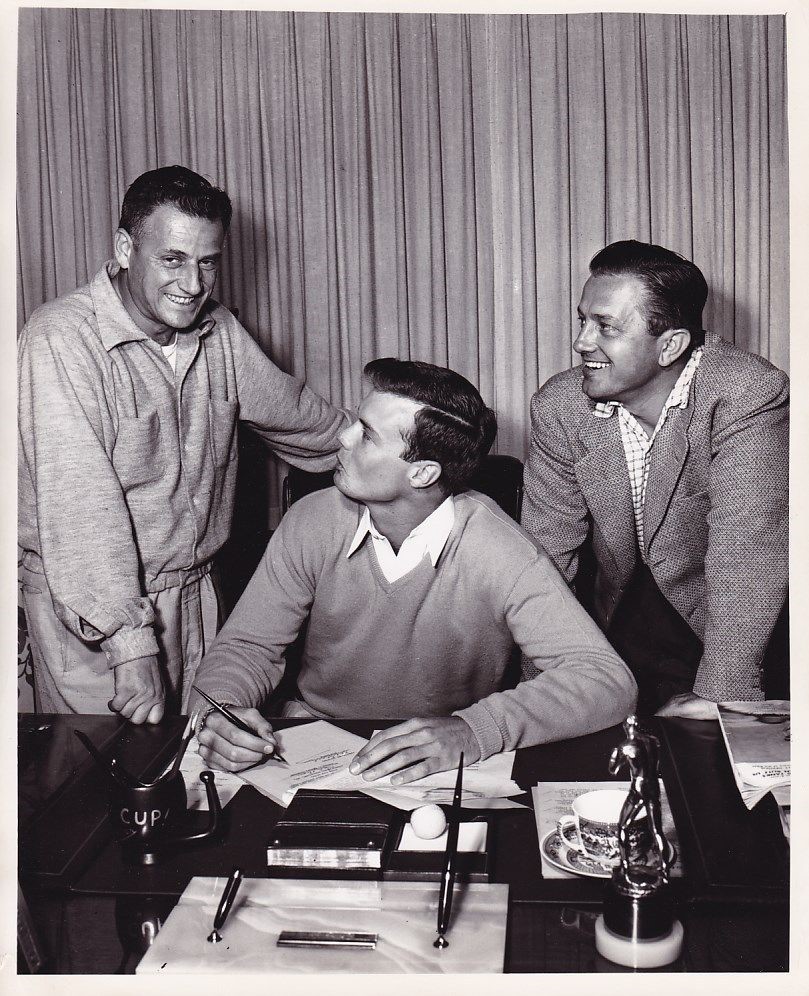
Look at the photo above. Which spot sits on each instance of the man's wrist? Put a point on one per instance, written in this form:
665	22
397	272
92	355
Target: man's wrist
201	719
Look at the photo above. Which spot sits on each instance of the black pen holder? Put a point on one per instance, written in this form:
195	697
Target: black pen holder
149	818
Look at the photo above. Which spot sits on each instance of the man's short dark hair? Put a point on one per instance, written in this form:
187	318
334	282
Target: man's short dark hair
187	190
676	290
454	428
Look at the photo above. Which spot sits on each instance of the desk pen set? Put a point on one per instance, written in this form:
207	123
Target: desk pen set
358	939
440	922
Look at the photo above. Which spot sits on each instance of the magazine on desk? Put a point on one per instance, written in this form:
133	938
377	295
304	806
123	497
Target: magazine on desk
757	737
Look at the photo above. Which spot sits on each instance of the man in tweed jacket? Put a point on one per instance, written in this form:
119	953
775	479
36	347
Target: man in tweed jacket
667	450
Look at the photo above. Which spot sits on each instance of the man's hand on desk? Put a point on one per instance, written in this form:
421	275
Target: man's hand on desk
687	705
422	746
139	695
225	746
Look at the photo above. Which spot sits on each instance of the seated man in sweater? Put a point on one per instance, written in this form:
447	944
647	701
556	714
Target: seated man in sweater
416	591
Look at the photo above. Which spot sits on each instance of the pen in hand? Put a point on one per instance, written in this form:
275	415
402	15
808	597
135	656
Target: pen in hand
225	904
238	723
450	859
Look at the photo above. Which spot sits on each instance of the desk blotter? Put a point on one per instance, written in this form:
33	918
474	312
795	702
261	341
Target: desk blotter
402	913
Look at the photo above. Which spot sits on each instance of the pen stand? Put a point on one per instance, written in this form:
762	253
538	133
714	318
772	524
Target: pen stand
150	817
638	927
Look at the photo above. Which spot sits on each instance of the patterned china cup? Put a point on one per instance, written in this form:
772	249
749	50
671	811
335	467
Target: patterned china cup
593	827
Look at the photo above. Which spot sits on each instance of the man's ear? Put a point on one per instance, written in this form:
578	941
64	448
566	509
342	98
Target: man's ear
122	244
423	473
673	344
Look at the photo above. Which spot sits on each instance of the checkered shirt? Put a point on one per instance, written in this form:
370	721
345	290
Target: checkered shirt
638	446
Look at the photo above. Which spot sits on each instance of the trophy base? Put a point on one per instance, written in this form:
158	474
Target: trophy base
636	952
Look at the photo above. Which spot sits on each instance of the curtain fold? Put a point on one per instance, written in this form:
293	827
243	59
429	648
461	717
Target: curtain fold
419	185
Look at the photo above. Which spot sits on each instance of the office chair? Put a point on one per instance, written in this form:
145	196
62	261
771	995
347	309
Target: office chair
500	478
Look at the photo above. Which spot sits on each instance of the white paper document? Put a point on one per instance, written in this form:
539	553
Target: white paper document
227	784
757	737
319	754
313	752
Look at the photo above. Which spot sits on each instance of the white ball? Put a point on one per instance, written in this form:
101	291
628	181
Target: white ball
428	822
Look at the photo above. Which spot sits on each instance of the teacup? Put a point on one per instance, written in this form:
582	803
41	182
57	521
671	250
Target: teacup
593	827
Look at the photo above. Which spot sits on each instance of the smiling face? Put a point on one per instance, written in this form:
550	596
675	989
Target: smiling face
621	360
369	465
169	270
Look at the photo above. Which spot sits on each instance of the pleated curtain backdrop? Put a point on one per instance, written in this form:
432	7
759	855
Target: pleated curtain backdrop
425	186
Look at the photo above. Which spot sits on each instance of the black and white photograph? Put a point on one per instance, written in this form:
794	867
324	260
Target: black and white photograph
403	458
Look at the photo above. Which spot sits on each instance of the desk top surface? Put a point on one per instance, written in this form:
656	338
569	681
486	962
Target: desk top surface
730	852
732	855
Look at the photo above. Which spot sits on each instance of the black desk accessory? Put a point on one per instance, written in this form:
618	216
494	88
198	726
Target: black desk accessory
450	860
225	904
238	723
323	830
110	767
147	814
638	927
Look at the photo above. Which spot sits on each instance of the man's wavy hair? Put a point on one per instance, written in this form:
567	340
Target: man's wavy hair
188	191
454	428
676	290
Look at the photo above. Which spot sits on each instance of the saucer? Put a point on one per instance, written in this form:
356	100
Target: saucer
561	855
557	852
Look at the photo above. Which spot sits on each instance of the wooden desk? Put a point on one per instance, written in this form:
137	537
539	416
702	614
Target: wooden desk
93	911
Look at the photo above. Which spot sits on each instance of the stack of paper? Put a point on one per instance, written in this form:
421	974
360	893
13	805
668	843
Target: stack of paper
319	754
757	737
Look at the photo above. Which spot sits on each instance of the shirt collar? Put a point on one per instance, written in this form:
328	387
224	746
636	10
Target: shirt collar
434	530
115	325
678	396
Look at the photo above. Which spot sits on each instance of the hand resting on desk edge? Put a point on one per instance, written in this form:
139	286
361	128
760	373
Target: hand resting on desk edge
422	746
687	705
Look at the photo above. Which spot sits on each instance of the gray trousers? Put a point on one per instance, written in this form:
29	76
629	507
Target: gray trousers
71	676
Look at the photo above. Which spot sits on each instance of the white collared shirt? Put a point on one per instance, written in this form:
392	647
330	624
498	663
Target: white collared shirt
638	446
429	537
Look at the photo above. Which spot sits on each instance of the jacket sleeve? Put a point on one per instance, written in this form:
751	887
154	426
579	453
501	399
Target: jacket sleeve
581	686
746	562
246	660
554	511
296	423
86	542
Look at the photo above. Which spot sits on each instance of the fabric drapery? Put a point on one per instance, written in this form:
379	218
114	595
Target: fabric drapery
419	185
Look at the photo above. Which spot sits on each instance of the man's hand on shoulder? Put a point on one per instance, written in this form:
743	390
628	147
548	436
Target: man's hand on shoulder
420	746
687	705
139	695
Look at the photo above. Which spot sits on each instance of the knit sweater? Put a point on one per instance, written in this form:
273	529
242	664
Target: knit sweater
434	643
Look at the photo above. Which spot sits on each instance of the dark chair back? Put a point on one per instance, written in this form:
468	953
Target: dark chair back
500	478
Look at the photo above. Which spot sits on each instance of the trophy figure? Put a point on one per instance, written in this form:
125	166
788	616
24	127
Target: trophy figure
638	927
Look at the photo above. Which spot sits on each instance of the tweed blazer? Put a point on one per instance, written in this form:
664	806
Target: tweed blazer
715	515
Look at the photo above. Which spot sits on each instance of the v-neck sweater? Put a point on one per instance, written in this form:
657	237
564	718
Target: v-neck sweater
433	643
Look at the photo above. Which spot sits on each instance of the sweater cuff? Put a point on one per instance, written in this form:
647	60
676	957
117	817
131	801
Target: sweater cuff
129	644
486	731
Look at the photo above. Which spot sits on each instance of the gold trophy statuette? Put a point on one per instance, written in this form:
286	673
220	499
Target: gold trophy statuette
638	927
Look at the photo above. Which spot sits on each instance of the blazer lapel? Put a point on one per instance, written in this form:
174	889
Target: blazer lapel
604	479
669	453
